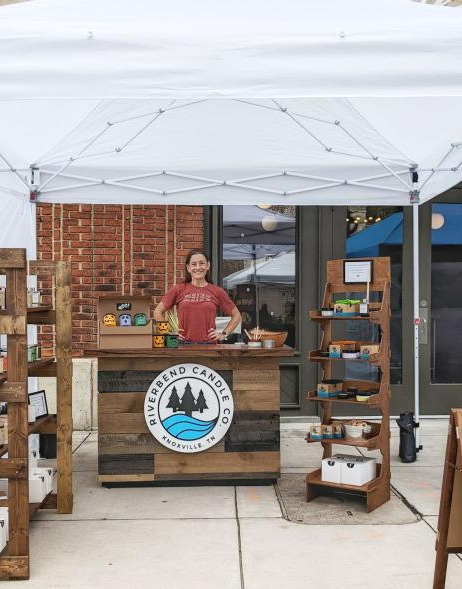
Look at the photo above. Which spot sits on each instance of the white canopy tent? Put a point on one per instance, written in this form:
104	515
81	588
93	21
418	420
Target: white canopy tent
250	102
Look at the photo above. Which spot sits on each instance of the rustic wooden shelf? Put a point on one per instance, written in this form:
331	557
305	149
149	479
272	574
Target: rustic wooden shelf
314	478
31	367
33	427
377	492
14	562
39	309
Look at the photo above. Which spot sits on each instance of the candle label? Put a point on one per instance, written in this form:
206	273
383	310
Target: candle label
189	408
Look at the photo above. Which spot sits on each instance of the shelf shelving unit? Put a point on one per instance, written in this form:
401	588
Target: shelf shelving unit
377	491
14	560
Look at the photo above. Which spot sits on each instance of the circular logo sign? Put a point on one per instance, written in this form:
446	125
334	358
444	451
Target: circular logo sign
188	407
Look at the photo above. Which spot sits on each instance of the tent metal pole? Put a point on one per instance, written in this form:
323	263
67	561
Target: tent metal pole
416	293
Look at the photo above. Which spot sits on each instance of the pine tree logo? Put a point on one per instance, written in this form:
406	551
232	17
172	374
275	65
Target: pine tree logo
174	401
189	407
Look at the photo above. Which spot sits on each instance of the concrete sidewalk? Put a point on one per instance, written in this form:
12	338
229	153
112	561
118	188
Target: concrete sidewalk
237	537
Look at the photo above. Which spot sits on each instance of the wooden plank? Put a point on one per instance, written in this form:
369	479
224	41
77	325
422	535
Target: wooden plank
253	431
122	423
381	273
13	468
116	464
43	425
125	478
109	444
64	387
18	447
12	324
129	381
121	403
39	317
125	380
258	391
13	392
159	363
46	367
50	502
196	351
446	501
12	258
14	567
222	464
235	476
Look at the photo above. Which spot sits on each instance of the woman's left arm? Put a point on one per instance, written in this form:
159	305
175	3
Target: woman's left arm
217	335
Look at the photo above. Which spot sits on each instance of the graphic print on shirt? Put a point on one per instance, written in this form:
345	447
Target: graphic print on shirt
189	407
197	297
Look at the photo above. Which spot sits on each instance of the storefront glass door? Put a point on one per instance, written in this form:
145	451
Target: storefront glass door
268	261
441	304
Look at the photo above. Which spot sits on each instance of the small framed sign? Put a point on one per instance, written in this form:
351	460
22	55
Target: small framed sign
124	306
39	400
357	271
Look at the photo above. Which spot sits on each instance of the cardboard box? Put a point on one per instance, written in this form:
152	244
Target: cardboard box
4	517
346	309
37	488
329	388
316	431
335	351
47	473
358	470
331	469
368	349
119	337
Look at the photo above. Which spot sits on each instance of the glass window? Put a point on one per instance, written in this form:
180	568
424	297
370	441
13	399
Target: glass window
372	232
446	294
259	261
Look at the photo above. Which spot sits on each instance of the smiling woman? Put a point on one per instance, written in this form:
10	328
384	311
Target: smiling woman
197	300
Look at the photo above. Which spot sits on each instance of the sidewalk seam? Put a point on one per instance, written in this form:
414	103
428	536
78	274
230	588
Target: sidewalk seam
239	542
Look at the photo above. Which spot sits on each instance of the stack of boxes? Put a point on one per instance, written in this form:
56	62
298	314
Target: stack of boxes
348	470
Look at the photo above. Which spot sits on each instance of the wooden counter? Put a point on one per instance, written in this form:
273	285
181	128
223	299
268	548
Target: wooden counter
249	451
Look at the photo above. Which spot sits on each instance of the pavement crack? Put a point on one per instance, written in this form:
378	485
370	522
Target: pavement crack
239	541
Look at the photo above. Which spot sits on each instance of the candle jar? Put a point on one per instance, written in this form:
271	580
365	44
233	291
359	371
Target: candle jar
162	327
158	341
171	341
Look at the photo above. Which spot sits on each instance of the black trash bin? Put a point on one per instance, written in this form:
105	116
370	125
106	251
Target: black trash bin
407	443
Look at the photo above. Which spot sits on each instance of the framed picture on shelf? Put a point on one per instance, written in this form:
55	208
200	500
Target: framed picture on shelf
357	271
39	400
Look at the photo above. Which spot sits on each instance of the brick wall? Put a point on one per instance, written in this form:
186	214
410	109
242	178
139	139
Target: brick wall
123	249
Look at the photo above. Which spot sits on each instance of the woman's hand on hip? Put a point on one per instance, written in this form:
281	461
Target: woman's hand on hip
216	335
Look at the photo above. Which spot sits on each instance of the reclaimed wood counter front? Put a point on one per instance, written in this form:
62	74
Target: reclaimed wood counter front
128	451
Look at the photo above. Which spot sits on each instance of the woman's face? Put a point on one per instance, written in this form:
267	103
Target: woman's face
198	266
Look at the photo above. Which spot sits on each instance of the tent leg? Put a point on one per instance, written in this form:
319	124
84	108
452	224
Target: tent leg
416	293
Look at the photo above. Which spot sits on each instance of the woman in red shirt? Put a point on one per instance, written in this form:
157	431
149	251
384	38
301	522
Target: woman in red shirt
197	301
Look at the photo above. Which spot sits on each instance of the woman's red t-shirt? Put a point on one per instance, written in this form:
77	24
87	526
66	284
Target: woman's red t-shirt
197	308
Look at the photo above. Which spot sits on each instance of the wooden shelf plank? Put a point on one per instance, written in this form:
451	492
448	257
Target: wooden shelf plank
314	478
33	427
41	315
374	400
373	360
31	366
370	444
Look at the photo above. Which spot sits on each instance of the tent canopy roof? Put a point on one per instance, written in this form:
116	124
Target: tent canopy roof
257	48
243	103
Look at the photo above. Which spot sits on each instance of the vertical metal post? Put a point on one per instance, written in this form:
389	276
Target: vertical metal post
416	293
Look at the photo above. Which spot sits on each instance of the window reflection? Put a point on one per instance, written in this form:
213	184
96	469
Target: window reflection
372	232
446	294
259	260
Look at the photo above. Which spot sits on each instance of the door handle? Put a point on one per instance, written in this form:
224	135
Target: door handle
423	325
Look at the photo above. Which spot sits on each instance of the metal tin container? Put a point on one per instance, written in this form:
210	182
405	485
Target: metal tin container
268	343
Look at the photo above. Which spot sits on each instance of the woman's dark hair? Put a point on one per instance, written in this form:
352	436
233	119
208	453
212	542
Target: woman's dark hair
188	277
